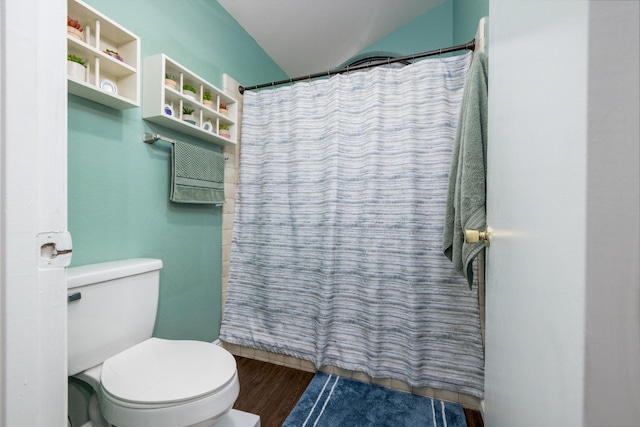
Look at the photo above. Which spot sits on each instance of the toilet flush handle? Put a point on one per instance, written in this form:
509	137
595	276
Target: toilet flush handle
74	297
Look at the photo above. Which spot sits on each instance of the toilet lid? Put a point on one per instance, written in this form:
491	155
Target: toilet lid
167	371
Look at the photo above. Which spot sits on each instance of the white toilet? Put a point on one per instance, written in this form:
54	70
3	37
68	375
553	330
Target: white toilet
138	380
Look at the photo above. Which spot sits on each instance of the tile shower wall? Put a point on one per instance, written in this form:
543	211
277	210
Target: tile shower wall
232	166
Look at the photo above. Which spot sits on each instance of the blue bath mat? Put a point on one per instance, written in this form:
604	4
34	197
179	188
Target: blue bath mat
331	401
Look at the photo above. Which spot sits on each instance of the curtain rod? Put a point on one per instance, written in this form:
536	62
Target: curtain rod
466	46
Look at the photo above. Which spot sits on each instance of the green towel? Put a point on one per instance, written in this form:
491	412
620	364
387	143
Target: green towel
467	178
197	175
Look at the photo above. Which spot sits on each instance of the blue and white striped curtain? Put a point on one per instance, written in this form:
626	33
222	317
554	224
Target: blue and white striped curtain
336	253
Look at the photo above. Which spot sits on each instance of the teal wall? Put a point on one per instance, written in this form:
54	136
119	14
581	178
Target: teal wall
450	23
466	15
118	186
431	30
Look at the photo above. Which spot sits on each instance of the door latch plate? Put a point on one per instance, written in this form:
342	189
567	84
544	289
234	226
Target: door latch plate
54	249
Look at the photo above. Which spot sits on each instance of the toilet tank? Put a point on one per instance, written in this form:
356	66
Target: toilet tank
112	306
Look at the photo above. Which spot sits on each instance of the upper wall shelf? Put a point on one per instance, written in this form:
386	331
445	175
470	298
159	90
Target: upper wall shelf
164	100
112	54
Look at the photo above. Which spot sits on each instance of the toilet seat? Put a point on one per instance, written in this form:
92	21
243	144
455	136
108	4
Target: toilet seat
168	383
160	372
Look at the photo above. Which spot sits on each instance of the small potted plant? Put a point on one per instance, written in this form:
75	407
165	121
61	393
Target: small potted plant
170	81
187	115
74	28
206	99
189	91
76	68
223	109
223	131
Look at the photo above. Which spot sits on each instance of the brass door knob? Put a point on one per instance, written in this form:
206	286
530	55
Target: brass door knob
476	236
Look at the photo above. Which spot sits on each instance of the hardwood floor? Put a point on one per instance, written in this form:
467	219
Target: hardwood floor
474	418
269	390
272	391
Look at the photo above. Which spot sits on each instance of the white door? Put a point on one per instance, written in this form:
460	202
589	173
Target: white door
548	337
33	177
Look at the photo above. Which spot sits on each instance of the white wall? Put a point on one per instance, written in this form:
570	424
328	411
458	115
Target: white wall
563	295
612	370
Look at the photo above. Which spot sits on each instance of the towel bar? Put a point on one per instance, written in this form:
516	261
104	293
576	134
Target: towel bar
149	138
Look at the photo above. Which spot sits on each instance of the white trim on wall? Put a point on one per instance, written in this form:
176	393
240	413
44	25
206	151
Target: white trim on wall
3	230
33	94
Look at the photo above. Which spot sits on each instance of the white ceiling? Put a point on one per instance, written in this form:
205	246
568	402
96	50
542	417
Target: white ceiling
309	36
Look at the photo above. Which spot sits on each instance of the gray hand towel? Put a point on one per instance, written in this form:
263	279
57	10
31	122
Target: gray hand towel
197	175
467	178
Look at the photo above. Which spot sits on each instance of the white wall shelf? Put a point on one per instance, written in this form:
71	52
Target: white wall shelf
157	96
99	35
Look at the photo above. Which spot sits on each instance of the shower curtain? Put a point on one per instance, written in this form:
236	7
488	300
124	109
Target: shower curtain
336	250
